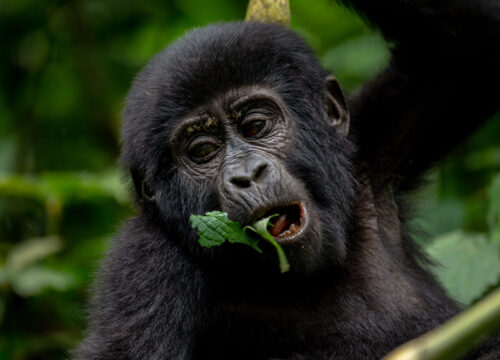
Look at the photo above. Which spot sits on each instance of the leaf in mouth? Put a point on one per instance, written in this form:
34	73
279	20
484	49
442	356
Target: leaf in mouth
214	228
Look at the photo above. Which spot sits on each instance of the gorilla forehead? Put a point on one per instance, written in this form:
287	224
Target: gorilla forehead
210	60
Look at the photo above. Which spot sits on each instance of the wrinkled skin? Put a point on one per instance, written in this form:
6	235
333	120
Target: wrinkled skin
240	145
241	118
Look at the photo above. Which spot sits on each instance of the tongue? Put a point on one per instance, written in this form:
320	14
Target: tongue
280	225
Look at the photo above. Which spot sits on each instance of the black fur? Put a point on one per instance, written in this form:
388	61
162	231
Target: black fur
161	296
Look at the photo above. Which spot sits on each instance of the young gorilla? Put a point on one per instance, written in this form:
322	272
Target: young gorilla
241	118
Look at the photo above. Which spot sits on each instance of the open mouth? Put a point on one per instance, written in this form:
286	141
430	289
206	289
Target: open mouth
289	221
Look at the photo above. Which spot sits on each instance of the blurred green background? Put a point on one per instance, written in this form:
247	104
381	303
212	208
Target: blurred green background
64	71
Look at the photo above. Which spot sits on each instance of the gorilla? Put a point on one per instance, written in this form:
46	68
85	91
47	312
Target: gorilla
240	117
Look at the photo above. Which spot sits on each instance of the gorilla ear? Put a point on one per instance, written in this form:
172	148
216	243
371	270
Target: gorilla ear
141	188
336	106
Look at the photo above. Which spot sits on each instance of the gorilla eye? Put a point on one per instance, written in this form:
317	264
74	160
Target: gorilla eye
252	128
202	151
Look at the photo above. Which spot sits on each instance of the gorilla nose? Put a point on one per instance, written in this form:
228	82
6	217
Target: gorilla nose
247	172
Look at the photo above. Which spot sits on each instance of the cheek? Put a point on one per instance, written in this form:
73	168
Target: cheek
323	161
181	197
326	171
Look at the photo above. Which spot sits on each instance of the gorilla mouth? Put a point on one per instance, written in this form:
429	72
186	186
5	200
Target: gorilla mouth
289	222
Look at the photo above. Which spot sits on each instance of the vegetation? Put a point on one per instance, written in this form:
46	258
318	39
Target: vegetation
64	72
215	228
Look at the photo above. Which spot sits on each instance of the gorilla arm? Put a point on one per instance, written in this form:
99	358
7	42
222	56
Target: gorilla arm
440	85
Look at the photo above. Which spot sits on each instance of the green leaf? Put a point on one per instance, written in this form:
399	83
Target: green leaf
357	59
65	186
470	264
31	251
36	279
260	227
214	228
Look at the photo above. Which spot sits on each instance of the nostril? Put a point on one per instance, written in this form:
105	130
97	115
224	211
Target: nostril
259	172
244	174
241	181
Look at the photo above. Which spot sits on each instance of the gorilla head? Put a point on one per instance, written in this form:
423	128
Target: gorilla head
242	118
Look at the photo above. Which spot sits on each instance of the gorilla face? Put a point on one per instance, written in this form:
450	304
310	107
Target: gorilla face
252	148
237	145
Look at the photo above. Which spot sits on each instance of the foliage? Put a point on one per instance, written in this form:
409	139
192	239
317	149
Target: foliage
65	70
53	228
470	264
215	228
464	225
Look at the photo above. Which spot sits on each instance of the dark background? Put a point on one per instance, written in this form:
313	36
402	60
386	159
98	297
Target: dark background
65	67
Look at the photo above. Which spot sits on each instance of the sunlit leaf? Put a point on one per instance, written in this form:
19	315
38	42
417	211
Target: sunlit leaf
35	279
470	264
65	186
32	250
21	186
